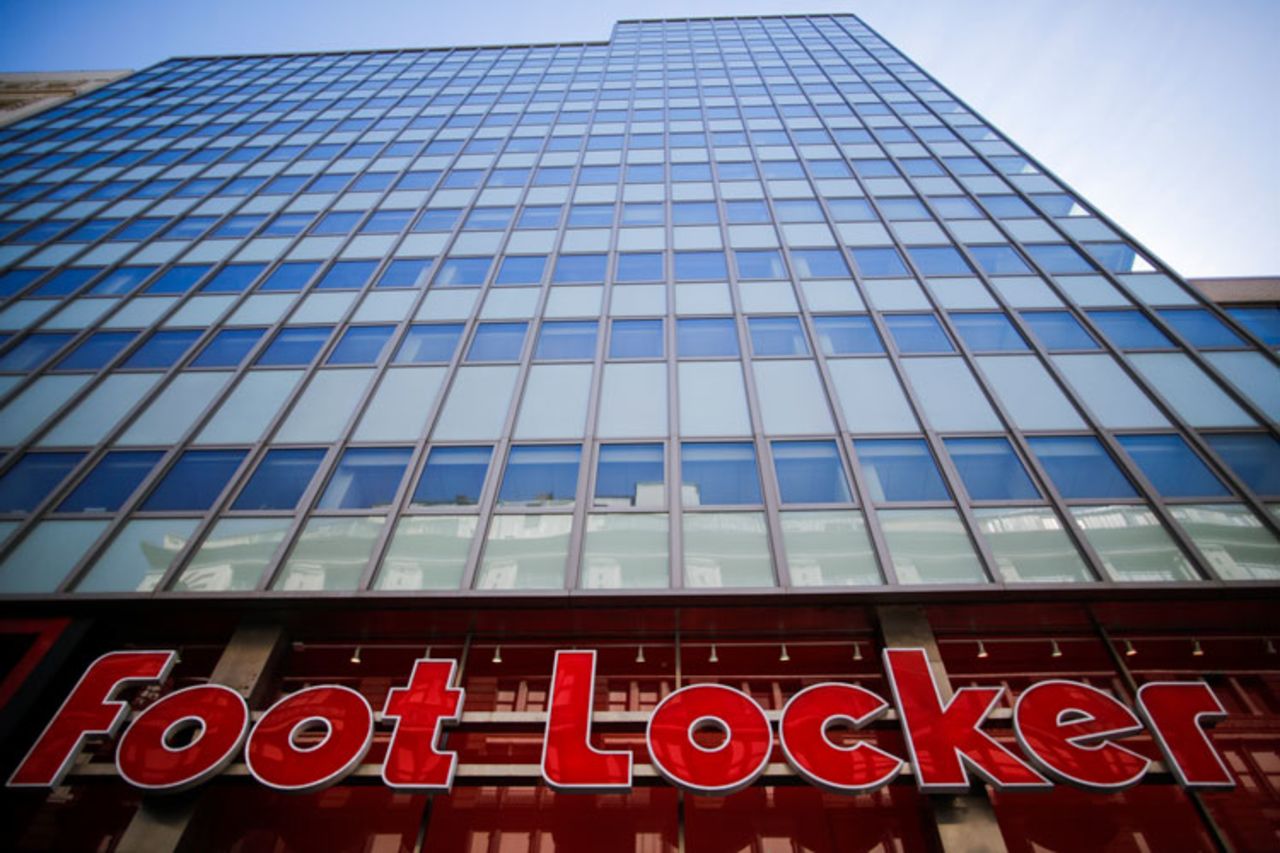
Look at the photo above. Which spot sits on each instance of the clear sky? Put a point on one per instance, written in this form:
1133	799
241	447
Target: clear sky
1163	113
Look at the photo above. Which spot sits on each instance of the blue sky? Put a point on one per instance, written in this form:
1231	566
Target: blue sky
1162	113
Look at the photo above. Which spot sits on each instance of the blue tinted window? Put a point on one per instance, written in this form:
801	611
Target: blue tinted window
195	480
442	219
386	222
917	333
1007	206
810	472
819	263
567	340
777	336
96	350
992	332
640	266
454	476
339	222
242	225
694	213
178	279
630	475
163	348
590	215
1200	328
851	210
347	275
361	345
1171	466
742	212
112	481
848	335
543	216
636	339
938	260
700	266
719	473
706	336
405	272
290	276
760	264
233	279
366	478
999	260
801	210
228	348
280	480
541	474
32	478
1058	330
121	281
642	213
879	262
69	281
991	471
1080	467
1263	321
15	280
427	343
1058	258
497	342
1253	456
295	346
287	225
463	272
1129	329
521	269
488	218
900	469
580	268
33	351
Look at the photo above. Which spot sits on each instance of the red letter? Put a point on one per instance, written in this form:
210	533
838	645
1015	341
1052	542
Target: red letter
276	759
147	760
719	770
418	711
1065	728
569	761
855	769
88	710
945	740
1175	713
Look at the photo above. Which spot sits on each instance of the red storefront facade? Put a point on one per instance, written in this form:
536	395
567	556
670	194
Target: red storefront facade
505	660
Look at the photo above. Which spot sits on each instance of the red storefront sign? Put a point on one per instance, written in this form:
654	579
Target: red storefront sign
1066	731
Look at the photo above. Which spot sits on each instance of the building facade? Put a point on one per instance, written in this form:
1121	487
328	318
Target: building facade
735	350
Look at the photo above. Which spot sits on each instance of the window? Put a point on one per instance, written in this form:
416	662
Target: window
488	218
544	216
521	269
1201	328
366	478
228	348
361	345
642	213
287	225
539	475
900	469
289	276
438	219
819	263
29	481
630	475
916	333
851	210
1262	321
163	348
640	266
463	272
429	343
1058	258
1171	466
694	213
1130	330
96	351
1080	467
1058	330
31	352
904	210
405	272
497	342
296	346
956	207
636	339
990	470
809	472
700	266
760	264
454	476
938	260
625	551
999	260
878	262
746	212
195	480
710	336
347	275
573	269
988	332
281	479
847	335
777	336
1253	456
799	211
564	340
727	549
719	474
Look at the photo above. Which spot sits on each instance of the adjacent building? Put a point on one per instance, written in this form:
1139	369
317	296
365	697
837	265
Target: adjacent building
733	349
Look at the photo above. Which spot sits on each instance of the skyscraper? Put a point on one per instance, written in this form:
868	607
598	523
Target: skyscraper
734	350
